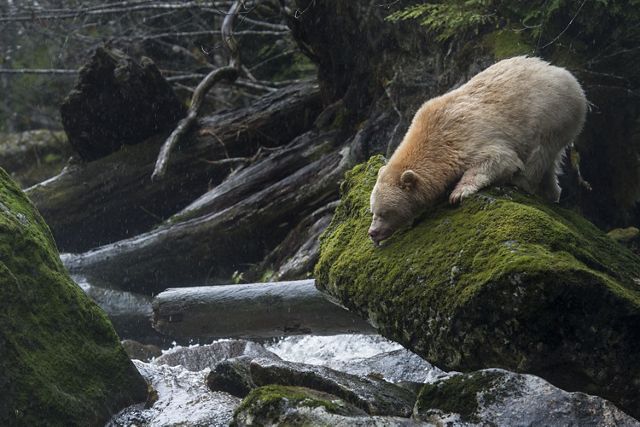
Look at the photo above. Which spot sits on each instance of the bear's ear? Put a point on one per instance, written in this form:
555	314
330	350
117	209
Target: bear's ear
408	179
380	170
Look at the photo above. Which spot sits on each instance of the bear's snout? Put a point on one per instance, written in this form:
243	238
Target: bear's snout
377	235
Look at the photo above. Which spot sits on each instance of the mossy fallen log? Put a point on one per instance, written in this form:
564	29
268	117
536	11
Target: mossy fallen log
504	280
112	198
256	310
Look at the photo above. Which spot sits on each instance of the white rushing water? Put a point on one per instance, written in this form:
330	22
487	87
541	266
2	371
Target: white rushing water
184	399
316	350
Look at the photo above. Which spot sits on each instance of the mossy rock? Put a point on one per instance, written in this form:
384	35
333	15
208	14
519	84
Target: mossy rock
61	362
268	405
503	280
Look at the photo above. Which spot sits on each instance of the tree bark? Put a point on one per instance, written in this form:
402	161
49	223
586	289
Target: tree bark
112	198
226	237
257	310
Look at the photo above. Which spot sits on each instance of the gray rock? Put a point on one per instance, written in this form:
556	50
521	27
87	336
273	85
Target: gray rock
232	376
207	356
393	366
373	395
499	397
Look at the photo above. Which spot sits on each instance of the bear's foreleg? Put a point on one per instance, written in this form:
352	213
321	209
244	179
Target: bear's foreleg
498	168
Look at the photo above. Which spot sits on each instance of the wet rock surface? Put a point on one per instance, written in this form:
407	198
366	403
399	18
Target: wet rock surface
283	405
254	390
200	357
498	397
371	394
504	280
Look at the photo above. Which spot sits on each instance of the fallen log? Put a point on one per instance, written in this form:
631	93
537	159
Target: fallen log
112	198
257	310
208	249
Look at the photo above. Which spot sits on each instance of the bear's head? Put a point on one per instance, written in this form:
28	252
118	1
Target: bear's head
394	202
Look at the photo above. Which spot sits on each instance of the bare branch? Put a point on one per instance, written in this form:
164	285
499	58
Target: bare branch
47	71
200	33
44	14
229	73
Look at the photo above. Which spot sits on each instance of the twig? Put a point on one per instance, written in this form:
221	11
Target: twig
555	39
229	73
37	71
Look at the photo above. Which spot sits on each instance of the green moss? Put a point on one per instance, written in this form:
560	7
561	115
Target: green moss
624	234
456	395
507	43
266	404
61	360
489	236
503	280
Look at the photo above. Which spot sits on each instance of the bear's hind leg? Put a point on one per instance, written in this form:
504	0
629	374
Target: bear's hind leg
499	168
549	187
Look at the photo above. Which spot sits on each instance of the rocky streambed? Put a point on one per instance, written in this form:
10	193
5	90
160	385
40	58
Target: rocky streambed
345	380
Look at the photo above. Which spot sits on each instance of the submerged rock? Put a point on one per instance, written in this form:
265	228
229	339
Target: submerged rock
498	397
504	280
61	362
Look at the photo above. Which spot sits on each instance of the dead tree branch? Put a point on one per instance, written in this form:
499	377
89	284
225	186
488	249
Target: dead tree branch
228	73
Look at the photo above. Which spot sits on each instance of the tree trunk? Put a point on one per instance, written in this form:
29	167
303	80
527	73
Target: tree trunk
257	310
114	198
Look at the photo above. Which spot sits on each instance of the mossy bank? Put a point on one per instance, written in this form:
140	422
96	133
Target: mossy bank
61	363
504	280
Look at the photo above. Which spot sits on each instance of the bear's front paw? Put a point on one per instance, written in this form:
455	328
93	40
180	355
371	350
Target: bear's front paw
461	192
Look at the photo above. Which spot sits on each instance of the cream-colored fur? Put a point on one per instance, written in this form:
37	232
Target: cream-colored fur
508	124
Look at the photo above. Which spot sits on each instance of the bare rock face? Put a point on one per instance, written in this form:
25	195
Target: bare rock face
499	397
117	102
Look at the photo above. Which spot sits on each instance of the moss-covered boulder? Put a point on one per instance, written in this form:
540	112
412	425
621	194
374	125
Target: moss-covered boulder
276	404
61	362
504	280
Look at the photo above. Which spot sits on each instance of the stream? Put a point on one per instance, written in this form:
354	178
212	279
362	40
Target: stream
184	399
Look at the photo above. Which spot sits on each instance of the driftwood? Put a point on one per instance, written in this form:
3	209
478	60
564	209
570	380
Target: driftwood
113	198
254	310
209	248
